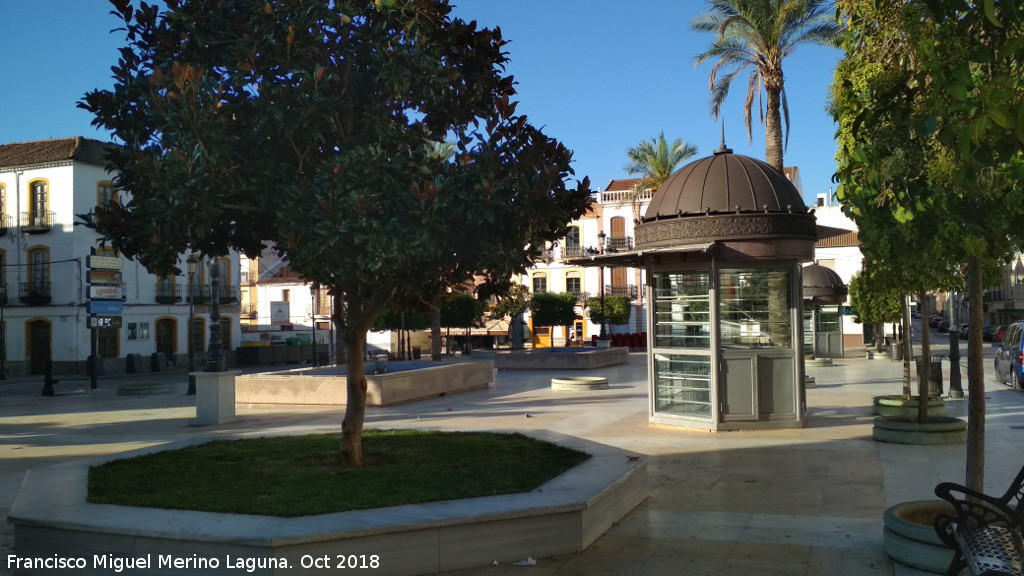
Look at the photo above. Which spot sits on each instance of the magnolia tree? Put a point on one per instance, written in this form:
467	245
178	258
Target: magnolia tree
313	126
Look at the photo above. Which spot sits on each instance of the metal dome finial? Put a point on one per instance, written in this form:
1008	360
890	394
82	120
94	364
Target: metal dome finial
723	149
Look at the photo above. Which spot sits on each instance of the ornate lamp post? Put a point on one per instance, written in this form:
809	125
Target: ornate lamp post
313	292
191	264
215	351
601	238
956	389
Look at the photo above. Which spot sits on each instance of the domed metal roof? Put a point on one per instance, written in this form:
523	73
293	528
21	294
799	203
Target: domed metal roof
725	196
723	183
822	285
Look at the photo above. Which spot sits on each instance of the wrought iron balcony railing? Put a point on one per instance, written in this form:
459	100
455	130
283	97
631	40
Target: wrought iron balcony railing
168	292
34	293
36	222
630	291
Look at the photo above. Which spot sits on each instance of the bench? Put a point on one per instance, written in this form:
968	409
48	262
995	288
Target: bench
985	532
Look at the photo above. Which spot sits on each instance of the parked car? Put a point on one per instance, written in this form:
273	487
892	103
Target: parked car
999	333
987	332
943	326
1010	357
934	321
964	328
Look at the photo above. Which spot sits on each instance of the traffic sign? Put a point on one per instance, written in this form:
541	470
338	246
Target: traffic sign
107	307
104	321
104	262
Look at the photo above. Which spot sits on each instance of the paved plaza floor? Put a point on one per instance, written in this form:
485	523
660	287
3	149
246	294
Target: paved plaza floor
806	501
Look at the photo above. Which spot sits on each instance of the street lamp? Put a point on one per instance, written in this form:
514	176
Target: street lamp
313	289
601	238
191	263
3	331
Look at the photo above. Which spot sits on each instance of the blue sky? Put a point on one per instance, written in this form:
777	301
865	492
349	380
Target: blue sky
599	75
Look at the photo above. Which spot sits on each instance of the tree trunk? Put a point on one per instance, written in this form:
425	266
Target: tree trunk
355	407
925	376
773	126
339	322
358	317
975	474
879	337
435	333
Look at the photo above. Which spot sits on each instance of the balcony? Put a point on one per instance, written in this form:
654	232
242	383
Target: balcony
226	294
168	293
630	291
581	297
619	244
575	251
36	222
34	293
249	311
249	278
6	222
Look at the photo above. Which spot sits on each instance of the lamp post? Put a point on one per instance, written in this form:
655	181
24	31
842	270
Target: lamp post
601	238
215	351
3	332
313	289
190	274
956	389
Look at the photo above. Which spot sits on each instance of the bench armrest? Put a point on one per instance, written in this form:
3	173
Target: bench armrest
971	508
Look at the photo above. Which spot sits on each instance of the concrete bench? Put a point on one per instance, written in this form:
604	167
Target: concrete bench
985	533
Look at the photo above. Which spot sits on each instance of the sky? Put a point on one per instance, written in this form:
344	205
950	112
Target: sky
598	75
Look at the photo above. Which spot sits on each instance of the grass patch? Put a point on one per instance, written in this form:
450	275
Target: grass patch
291	476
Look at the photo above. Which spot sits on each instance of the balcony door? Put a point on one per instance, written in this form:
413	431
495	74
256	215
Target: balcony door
38	205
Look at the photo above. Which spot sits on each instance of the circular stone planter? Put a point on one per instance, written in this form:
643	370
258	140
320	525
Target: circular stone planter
899	407
149	389
909	535
938	430
818	362
579	383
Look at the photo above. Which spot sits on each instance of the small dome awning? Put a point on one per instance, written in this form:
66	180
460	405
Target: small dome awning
822	285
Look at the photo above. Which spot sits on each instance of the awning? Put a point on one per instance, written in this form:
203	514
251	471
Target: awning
635	258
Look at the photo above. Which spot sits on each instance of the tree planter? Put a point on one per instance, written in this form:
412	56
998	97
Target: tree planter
909	535
899	407
937	430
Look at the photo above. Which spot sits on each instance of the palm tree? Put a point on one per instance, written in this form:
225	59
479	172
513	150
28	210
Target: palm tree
656	160
757	35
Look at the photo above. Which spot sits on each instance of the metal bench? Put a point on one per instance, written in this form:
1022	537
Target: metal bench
985	532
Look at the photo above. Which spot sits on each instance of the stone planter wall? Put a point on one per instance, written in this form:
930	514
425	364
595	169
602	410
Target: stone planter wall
909	535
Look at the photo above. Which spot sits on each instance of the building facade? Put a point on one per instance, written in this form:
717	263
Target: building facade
47	281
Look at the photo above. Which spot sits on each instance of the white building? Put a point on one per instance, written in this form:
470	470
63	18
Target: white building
45	276
608	226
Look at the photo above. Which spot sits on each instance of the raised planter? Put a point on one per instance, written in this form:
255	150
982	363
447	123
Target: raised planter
52	518
909	535
899	407
561	358
579	383
324	388
938	430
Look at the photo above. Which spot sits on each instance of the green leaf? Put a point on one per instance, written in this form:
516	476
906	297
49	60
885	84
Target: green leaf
990	12
1001	117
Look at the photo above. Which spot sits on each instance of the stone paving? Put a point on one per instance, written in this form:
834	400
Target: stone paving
807	501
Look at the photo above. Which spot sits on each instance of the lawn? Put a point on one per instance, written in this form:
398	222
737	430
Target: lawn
291	476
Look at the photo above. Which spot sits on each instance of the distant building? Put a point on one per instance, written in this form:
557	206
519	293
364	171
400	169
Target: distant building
46	283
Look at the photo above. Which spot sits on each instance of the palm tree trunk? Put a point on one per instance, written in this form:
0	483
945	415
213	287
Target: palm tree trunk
773	128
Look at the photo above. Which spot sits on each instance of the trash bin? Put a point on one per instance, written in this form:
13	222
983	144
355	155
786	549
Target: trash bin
934	375
416	353
896	351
